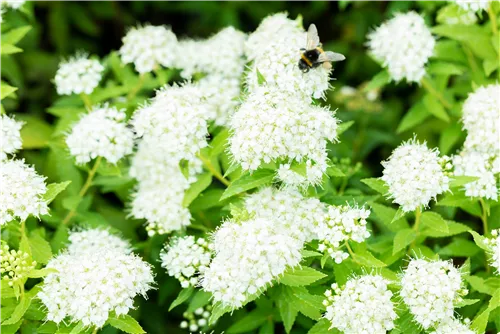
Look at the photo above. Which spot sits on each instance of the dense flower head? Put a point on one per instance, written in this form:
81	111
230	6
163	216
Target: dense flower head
10	140
494	244
481	165
101	133
249	255
363	305
221	95
453	326
473	5
267	30
15	265
21	193
185	258
341	224
176	118
78	75
430	289
87	241
403	44
272	126
481	118
88	286
148	47
415	175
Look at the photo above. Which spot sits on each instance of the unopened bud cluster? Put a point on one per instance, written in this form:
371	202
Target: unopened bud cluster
197	320
15	265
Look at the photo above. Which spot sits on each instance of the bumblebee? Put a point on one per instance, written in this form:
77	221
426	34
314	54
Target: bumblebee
313	55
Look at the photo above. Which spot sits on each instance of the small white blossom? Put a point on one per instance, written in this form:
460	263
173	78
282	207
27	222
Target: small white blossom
453	326
101	133
21	193
78	75
494	243
185	258
88	286
14	265
403	44
363	306
473	163
414	175
221	94
148	47
88	241
10	140
430	289
473	5
196	320
14	4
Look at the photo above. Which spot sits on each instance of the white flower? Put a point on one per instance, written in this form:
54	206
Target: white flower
185	258
363	306
101	133
414	175
272	126
176	118
430	289
472	163
278	64
148	47
248	256
78	75
494	243
14	265
268	29
88	241
10	140
21	193
453	326
88	286
481	118
403	44
14	4
473	5
312	174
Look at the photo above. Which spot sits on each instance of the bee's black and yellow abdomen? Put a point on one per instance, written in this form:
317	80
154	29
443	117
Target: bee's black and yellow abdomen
309	59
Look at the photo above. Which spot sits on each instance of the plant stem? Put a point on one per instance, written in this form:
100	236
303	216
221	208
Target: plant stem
94	331
84	189
484	218
137	87
427	85
86	100
416	226
23	228
349	249
208	164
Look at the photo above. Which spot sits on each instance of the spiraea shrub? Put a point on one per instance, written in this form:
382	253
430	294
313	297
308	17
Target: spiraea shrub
168	167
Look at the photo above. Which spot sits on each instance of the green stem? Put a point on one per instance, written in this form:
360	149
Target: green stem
484	218
416	226
86	100
84	189
349	249
208	165
137	87
427	85
94	331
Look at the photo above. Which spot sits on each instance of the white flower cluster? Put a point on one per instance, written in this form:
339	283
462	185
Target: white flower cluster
430	289
339	225
14	4
473	163
197	319
10	140
221	95
494	243
272	126
185	258
85	241
415	175
101	133
21	193
89	285
277	60
453	326
363	305
14	265
78	75
473	5
248	256
148	47
403	44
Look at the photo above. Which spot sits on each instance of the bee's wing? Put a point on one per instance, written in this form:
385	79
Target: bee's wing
329	56
312	37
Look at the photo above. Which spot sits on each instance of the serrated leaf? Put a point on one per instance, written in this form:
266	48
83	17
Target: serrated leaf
309	253
78	328
217	311
53	190
22	306
458	181
200	299
35	133
479	284
38	273
288	313
376	184
334	171
248	323
126	323
367	259
40	249
454	228
379	80
386	216
445	68
343	127
449	137
322	327
301	276
203	181
434	221
435	107
182	297
249	181
481	321
402	239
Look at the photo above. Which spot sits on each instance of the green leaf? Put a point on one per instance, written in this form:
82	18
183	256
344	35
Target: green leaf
343	127
38	273
460	248
35	133
15	35
8	49
379	80
248	323
40	249
480	241
78	328
288	313
367	259
435	107
308	253
22	306
434	221
479	284
416	115
387	216
405	324
377	184
53	190
322	327
196	188
218	311
249	181
454	228
402	239
466	302
200	299
449	137
301	276
126	323
445	68
489	66
182	297
334	171
458	181
219	143
260	78
481	321
6	90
